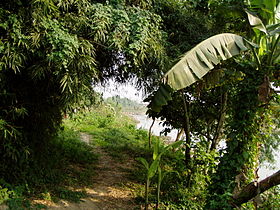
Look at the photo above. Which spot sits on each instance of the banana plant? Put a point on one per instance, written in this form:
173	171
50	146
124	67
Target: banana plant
161	176
154	167
195	64
201	59
267	36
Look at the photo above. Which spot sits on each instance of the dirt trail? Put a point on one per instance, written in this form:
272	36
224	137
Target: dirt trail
107	191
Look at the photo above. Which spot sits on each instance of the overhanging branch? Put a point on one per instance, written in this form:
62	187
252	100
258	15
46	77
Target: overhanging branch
253	189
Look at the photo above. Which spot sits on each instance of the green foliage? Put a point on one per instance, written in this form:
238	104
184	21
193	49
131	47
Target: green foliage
184	25
111	130
241	139
13	197
73	196
151	170
159	98
247	119
4	195
244	116
271	199
121	140
50	177
51	53
125	104
70	147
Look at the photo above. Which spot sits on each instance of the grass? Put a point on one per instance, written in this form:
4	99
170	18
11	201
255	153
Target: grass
118	136
67	164
116	133
70	164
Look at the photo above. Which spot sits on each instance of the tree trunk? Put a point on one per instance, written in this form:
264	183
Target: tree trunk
187	129
255	188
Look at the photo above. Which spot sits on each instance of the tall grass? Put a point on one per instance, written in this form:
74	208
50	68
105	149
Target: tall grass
114	132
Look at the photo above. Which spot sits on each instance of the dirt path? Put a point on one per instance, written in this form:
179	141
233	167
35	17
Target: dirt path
108	191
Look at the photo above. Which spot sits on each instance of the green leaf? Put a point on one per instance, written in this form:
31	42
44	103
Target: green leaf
160	98
174	145
272	27
153	168
2	124
245	155
274	32
144	162
165	91
156	149
201	59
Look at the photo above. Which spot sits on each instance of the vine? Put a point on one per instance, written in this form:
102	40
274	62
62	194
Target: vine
238	165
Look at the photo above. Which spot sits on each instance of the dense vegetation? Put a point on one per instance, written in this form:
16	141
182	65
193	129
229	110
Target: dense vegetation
72	163
53	52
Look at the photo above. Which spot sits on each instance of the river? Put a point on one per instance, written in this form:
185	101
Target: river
144	122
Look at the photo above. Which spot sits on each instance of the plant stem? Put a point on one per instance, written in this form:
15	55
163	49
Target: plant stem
219	128
158	189
257	58
146	193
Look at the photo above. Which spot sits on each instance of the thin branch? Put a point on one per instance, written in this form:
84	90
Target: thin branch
150	133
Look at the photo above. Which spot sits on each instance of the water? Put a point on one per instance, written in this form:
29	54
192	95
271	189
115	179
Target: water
144	122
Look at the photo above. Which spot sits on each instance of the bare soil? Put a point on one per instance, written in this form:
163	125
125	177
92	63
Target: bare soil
108	190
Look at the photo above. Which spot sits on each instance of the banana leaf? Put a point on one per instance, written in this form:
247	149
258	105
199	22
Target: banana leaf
201	59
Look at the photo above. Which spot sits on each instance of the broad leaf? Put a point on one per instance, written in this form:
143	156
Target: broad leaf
277	12
201	59
274	32
256	22
159	98
153	168
144	162
173	145
273	29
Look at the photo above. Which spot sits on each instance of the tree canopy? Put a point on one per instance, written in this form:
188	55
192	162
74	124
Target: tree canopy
53	52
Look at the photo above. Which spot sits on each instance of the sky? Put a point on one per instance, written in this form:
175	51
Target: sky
123	90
